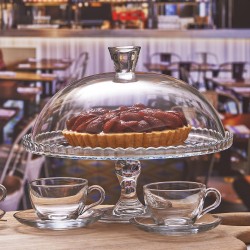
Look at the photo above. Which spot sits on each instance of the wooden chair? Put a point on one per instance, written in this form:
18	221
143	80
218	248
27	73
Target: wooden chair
228	103
77	70
2	63
238	156
204	166
80	66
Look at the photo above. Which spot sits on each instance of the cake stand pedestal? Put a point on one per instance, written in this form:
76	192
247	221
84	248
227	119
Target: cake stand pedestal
128	206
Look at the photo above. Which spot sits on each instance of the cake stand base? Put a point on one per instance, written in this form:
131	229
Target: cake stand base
109	216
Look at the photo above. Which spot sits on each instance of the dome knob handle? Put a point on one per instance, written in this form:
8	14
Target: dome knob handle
125	59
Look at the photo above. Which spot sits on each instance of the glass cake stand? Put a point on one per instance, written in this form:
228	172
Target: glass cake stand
125	87
127	162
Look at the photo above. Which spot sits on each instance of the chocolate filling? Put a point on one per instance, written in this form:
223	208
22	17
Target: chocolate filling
137	118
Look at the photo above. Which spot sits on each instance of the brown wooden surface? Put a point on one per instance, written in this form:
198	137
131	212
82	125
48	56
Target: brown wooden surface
230	83
28	76
14	235
237	120
9	91
140	33
161	67
174	67
43	64
241	140
241	87
237	225
5	119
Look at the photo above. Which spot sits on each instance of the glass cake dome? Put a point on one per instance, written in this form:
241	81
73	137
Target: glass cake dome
125	88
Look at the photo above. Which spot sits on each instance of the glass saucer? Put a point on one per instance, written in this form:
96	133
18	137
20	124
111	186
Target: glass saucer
2	213
29	218
205	223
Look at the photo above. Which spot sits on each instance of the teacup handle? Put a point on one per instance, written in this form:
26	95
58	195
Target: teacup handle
4	192
214	205
102	193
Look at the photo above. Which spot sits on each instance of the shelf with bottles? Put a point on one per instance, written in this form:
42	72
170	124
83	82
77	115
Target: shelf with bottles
119	14
116	2
187	2
129	15
44	2
123	1
181	14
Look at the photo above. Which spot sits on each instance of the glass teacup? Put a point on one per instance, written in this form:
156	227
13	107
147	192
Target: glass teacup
178	202
62	198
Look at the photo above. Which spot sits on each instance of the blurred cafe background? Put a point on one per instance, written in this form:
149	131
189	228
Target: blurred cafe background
46	44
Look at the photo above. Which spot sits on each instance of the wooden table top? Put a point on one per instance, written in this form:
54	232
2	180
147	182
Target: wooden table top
14	235
26	76
237	119
11	91
175	67
228	82
6	114
42	64
240	126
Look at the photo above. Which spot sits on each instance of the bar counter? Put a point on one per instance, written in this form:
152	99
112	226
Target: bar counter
228	45
152	33
122	236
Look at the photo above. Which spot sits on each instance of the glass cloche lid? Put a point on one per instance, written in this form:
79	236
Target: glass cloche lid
96	117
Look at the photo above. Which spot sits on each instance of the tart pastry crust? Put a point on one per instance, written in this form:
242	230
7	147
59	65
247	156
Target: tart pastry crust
124	140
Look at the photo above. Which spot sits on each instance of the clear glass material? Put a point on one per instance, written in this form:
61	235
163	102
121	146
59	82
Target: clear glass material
30	218
126	87
178	203
206	223
2	213
62	198
3	192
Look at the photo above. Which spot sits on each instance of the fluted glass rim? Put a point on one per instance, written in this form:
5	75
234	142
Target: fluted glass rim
201	141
